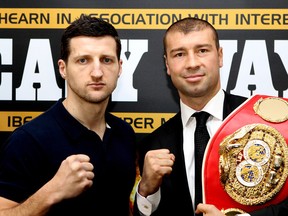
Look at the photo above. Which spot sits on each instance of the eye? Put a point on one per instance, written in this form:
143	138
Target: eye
82	60
179	54
203	50
107	60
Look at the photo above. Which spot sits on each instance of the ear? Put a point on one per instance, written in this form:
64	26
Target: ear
120	67
62	68
167	65
220	56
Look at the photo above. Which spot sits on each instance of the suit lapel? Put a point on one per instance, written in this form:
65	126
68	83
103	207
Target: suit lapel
231	102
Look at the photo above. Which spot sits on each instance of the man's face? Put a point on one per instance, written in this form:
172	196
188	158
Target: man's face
193	62
92	69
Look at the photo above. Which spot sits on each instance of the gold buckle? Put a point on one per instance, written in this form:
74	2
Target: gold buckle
232	211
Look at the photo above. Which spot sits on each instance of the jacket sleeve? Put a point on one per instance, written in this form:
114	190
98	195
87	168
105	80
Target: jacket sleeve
280	209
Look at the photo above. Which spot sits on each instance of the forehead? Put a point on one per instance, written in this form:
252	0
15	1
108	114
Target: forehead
178	38
93	44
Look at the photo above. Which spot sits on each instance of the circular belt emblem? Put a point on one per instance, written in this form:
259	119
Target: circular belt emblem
253	164
272	109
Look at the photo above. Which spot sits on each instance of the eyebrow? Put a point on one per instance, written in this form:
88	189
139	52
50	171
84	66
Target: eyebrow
177	49
204	45
197	47
77	56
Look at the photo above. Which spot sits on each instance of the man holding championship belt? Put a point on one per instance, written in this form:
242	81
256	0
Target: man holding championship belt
244	169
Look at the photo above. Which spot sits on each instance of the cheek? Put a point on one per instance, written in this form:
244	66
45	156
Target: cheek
215	61
111	76
174	67
212	64
74	77
176	70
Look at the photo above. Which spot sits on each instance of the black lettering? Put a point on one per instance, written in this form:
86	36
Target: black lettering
138	122
148	121
128	120
16	121
27	119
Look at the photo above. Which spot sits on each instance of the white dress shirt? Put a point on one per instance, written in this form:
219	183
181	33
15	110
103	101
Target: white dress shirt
215	109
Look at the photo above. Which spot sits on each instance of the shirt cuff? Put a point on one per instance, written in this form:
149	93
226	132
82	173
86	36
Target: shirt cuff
148	205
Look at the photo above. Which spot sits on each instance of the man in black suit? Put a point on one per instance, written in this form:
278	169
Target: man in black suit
193	59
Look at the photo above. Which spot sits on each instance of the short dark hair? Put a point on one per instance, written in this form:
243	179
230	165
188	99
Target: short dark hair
90	26
190	24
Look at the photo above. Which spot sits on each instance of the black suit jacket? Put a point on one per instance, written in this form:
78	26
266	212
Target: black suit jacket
175	195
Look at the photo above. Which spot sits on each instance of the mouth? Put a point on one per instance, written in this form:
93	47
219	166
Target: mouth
97	85
194	77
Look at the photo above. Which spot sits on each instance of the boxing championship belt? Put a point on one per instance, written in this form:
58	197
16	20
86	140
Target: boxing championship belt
245	166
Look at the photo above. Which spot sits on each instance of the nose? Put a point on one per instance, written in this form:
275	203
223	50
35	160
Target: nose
96	69
192	61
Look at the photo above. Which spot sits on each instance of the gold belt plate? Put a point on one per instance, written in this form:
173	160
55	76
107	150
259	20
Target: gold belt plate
253	164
